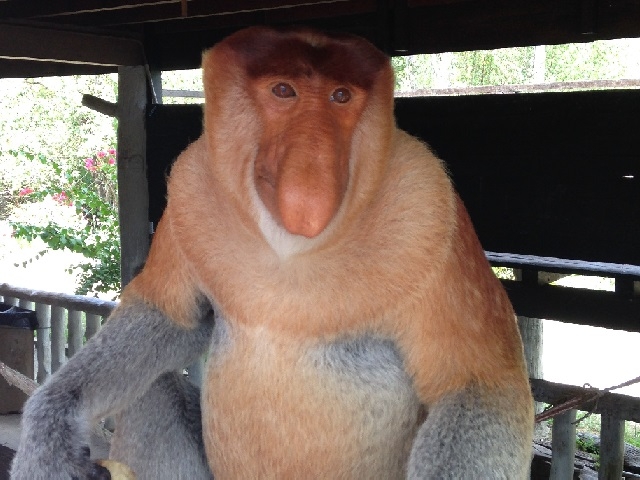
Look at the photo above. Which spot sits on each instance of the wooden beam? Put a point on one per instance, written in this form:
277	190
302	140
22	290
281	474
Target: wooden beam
575	305
133	194
49	44
99	105
624	406
123	13
30	68
47	8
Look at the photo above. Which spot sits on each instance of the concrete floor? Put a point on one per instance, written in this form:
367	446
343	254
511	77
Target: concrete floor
10	437
10	431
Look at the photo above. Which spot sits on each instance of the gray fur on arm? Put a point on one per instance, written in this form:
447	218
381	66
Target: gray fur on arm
472	434
136	345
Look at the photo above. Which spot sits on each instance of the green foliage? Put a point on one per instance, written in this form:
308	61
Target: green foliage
632	434
495	67
504	273
53	194
89	187
585	444
613	59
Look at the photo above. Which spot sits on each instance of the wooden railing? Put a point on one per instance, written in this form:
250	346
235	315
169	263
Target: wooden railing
614	408
66	322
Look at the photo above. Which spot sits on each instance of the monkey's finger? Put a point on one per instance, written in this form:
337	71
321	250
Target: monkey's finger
115	470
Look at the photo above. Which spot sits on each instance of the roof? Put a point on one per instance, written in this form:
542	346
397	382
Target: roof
57	37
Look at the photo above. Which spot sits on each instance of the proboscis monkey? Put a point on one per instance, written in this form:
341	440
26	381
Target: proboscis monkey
353	325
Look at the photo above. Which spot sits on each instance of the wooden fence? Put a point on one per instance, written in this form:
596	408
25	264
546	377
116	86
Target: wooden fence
66	322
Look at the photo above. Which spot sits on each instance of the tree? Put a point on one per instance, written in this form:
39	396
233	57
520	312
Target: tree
89	186
46	141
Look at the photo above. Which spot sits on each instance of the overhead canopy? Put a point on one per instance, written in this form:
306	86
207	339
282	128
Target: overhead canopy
56	37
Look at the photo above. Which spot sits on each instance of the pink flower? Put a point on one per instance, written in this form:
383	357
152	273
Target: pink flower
25	191
90	165
112	161
62	198
101	154
112	151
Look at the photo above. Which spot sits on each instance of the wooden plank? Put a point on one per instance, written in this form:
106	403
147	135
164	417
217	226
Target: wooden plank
528	168
611	447
77	302
625	272
575	305
43	8
137	12
564	446
28	68
48	43
16	354
623	406
511	89
407	27
133	195
430	28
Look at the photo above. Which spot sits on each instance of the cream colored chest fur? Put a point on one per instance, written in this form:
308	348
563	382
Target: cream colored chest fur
273	408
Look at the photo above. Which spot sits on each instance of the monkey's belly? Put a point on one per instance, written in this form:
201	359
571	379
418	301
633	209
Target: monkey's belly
274	408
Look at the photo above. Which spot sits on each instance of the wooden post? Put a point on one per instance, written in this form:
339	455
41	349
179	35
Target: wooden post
133	192
564	446
43	347
611	447
76	332
58	339
94	322
156	83
531	332
10	300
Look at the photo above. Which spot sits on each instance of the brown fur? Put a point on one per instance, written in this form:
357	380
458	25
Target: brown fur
396	257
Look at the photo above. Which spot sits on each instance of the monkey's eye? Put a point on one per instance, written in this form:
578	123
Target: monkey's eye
283	90
340	95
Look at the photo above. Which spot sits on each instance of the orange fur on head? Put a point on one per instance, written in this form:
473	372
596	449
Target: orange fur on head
298	94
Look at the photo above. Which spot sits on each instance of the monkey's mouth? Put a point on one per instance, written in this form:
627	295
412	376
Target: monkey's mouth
268	179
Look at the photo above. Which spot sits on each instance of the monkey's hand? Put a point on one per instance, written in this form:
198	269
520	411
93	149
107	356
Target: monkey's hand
136	345
53	444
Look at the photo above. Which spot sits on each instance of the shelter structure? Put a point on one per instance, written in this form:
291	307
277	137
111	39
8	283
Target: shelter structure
551	180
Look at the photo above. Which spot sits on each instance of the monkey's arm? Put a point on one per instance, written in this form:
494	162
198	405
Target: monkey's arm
137	344
468	367
474	433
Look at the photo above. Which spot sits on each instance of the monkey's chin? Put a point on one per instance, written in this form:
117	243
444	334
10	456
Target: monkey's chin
283	243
